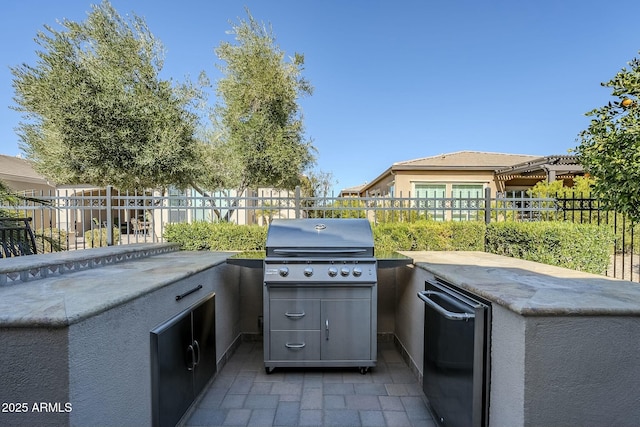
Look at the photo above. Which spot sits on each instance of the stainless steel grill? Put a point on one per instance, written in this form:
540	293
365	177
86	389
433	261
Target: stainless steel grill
320	294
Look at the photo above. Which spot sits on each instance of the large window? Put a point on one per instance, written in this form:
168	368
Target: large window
467	200
431	199
442	201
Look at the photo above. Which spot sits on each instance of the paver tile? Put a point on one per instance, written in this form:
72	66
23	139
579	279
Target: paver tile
243	394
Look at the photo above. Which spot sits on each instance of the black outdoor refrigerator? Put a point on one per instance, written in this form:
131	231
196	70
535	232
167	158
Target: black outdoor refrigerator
456	355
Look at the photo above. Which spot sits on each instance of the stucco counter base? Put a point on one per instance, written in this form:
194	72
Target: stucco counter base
77	343
564	344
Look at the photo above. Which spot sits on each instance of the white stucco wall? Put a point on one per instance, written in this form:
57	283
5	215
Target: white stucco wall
34	370
506	398
582	370
409	314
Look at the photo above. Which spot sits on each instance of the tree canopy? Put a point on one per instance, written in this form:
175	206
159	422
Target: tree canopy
95	110
609	149
257	118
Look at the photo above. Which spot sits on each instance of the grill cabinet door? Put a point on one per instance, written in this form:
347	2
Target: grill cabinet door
346	329
172	381
183	359
204	334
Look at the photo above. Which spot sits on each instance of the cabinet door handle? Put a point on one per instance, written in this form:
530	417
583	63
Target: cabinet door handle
295	315
295	346
326	329
196	347
197	288
193	358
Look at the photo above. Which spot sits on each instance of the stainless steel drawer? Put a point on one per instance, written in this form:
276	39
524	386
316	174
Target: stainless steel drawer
298	314
295	345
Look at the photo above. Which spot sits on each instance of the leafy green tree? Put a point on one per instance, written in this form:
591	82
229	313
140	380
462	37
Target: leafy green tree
95	110
258	122
609	148
582	187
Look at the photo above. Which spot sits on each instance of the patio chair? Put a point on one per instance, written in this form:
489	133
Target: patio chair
139	227
16	238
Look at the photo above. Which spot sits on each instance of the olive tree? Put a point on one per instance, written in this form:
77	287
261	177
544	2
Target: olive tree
258	122
95	110
609	149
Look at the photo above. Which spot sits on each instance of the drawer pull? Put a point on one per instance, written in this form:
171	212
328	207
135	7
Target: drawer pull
197	288
295	315
295	346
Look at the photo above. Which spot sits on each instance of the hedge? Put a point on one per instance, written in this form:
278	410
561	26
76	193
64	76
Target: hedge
583	247
429	236
97	237
217	236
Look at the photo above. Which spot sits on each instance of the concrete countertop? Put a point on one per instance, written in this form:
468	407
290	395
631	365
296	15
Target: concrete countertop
530	288
67	298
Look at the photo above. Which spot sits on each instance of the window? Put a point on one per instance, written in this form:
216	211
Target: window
431	199
467	198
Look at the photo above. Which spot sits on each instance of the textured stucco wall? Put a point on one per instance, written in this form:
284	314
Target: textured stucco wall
409	315
33	370
582	370
507	368
251	290
387	300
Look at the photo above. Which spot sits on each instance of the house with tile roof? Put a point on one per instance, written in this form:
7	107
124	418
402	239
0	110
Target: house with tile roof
467	174
20	176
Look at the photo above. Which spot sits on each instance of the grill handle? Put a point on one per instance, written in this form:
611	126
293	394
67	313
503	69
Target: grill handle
451	315
295	315
312	252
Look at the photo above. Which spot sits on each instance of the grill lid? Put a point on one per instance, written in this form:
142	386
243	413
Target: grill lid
319	238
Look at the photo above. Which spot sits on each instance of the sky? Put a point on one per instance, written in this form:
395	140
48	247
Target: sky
394	80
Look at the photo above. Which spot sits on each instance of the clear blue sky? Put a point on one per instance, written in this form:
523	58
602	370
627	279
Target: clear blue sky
394	80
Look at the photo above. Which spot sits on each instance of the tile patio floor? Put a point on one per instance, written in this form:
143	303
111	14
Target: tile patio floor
243	394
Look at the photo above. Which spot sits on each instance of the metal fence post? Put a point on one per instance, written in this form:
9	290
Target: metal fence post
487	205
109	217
297	202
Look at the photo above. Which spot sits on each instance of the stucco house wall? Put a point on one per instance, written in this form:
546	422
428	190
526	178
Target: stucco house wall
463	167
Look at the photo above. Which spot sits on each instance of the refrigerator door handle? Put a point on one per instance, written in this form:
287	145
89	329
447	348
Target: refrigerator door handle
451	315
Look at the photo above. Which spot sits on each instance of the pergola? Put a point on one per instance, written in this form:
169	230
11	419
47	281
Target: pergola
549	168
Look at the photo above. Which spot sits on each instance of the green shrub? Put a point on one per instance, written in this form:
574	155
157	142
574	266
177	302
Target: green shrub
583	247
50	240
217	236
429	236
97	237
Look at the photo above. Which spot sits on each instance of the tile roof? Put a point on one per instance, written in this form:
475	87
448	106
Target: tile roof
19	169
467	160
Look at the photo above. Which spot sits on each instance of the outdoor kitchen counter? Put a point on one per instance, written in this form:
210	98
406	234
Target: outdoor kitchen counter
530	288
75	328
564	344
65	298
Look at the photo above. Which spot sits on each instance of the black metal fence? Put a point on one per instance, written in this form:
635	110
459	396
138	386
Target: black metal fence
82	218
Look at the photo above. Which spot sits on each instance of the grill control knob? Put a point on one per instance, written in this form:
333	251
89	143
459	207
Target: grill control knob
357	271
308	272
333	272
283	271
344	271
